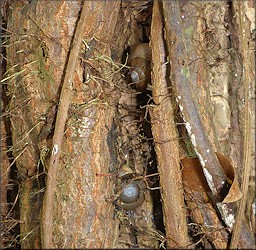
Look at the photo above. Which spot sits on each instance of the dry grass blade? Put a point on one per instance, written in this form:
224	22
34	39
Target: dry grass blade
7	238
16	74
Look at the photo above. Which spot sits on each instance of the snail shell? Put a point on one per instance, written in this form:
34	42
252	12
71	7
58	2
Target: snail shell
132	196
130	193
140	63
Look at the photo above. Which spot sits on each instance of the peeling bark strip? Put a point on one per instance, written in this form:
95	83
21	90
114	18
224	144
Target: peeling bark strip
247	149
176	40
167	149
65	98
179	63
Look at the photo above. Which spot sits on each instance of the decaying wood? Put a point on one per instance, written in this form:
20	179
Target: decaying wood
136	227
45	54
24	108
200	208
80	212
165	138
87	192
5	180
139	220
181	73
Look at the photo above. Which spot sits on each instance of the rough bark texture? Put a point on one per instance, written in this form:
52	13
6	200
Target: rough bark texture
201	211
47	48
166	140
245	46
29	102
62	114
106	116
83	219
178	33
7	220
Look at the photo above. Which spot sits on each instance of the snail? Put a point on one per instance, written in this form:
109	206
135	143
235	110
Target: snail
140	63
132	195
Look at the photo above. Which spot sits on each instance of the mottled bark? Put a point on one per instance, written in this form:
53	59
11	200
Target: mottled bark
26	68
177	39
43	45
5	182
180	28
245	47
84	219
201	210
62	114
208	49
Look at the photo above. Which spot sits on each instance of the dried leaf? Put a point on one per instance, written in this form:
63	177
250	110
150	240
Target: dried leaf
193	177
234	193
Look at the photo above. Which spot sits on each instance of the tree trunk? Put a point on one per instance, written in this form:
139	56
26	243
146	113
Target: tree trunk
74	84
79	195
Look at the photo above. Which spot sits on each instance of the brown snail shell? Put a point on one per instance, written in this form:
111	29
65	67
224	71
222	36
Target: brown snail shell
140	63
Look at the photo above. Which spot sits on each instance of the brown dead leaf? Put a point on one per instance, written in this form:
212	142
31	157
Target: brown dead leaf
194	178
234	193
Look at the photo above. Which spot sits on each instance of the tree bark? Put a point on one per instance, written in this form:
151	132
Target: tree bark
180	28
43	55
64	102
202	71
245	46
166	140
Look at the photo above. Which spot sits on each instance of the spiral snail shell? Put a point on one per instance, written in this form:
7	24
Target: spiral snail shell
132	196
130	193
140	63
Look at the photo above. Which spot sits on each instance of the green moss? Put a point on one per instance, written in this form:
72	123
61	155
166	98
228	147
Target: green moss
189	148
188	31
43	71
185	71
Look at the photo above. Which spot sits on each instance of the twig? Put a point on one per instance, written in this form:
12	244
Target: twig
65	98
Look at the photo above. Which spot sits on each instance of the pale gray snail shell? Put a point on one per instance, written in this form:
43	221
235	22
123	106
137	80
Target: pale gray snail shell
130	193
135	75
